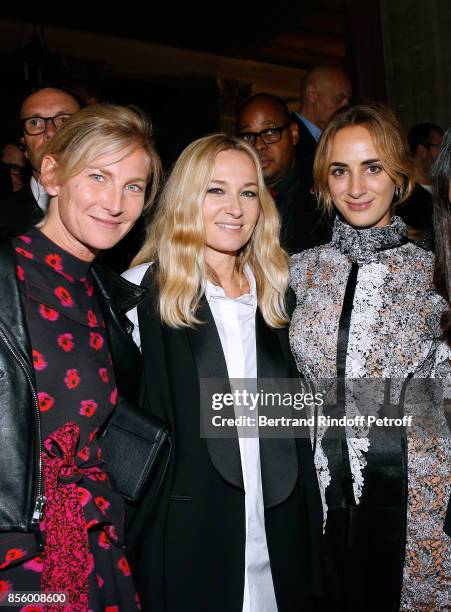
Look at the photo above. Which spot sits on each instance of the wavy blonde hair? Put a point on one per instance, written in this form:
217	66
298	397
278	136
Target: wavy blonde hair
389	141
176	239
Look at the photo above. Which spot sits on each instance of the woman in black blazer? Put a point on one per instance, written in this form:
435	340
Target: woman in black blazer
237	524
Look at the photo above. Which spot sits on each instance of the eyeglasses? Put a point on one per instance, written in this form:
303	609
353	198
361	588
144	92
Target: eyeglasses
37	125
269	136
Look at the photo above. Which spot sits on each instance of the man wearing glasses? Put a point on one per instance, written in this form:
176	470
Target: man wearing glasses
42	113
264	121
424	141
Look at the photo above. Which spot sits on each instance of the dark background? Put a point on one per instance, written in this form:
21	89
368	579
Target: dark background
190	67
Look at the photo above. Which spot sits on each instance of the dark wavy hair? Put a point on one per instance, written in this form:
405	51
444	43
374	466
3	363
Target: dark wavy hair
441	180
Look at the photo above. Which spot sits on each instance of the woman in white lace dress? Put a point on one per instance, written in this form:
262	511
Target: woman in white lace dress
367	309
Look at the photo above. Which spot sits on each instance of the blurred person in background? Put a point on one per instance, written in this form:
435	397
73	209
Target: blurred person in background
42	113
324	90
264	121
13	158
424	141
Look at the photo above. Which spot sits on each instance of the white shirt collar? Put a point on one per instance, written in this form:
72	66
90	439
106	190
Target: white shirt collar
427	187
314	130
39	194
214	292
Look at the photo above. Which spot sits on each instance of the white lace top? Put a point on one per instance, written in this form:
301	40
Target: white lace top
394	332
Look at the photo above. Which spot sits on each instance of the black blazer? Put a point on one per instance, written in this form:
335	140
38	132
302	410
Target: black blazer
189	553
417	211
19	212
303	226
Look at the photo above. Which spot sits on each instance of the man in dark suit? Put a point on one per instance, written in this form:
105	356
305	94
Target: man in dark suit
424	141
264	121
42	113
324	89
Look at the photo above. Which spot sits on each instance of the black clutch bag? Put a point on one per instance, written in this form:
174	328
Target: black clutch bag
136	448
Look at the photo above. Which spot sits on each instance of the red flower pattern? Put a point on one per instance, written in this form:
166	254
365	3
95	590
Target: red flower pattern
54	261
84	453
5	588
92	319
72	378
90	562
124	566
35	565
64	296
103	373
88	407
45	400
113	396
26	239
66	342
39	362
84	496
13	555
89	288
20	273
101	503
24	252
104	540
99	476
48	313
95	340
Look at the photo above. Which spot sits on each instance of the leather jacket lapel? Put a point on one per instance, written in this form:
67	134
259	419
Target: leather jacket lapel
116	295
122	293
278	456
12	317
210	363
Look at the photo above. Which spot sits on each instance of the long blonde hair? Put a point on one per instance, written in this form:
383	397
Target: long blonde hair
176	238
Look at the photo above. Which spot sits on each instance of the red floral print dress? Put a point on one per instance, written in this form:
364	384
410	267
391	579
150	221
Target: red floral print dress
83	518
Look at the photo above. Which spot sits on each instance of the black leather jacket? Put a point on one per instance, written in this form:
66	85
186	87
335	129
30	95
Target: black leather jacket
21	487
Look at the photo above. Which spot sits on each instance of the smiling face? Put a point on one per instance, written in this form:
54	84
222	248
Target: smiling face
93	210
360	187
231	206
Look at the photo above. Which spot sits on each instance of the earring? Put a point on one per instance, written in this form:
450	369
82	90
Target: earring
398	192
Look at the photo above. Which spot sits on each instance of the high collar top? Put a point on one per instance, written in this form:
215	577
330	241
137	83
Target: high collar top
360	245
